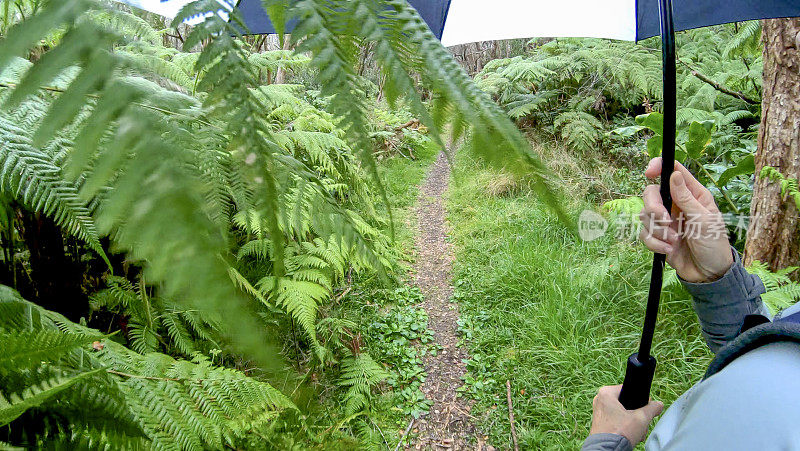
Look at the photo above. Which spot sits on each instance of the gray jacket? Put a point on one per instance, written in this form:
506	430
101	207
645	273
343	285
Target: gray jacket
753	403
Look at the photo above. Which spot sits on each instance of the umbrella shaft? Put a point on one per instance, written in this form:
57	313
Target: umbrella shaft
641	366
668	163
653	298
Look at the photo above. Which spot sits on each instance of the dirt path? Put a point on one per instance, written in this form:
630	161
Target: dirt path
449	424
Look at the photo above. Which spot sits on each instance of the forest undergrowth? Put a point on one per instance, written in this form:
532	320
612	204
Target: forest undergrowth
207	241
554	315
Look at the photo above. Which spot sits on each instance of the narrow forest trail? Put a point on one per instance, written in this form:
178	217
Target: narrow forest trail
449	424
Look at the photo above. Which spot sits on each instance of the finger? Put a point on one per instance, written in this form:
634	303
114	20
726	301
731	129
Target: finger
662	230
654	170
683	197
653	203
653	409
609	390
654	244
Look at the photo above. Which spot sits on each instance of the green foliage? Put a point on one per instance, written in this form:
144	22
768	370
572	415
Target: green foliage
576	89
37	394
360	373
571	82
401	340
790	189
111	396
629	206
156	324
578	129
781	292
691	147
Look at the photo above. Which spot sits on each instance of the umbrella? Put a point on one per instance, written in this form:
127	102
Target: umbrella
463	21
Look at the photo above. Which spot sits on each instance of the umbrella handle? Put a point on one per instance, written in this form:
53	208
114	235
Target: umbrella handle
641	366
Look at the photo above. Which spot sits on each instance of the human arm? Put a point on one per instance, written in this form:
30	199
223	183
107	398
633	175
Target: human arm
696	244
722	305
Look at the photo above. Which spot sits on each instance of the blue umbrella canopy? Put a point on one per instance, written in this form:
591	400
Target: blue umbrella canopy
463	21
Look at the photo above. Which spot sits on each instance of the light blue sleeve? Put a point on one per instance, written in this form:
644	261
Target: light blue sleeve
751	404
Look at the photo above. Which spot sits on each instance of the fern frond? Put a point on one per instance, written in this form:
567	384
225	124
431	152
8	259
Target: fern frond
359	374
17	404
25	349
32	177
169	403
580	130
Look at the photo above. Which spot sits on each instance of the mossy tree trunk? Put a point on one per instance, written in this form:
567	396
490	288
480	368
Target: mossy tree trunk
773	236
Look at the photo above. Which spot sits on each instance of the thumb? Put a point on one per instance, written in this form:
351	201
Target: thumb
653	409
683	198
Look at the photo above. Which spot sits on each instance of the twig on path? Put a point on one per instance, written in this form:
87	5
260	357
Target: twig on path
511	415
404	434
381	432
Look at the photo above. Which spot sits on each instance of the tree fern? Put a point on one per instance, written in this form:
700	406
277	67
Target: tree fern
154	322
745	41
172	404
131	163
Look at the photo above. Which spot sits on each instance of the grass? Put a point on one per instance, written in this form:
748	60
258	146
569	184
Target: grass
556	316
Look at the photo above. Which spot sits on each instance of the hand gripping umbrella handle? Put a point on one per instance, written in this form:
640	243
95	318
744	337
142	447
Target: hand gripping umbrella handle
641	365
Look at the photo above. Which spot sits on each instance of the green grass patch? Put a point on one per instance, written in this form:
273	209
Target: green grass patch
556	316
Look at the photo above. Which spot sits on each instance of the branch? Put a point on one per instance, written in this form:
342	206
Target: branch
511	416
404	435
725	90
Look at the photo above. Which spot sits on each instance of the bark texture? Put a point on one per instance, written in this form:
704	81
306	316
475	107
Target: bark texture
773	236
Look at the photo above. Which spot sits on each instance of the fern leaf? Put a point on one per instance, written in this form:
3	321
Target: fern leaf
25	349
33	396
33	177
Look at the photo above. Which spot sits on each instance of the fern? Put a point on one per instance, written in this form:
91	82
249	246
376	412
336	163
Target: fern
782	292
34	178
25	349
170	404
629	206
790	188
153	320
148	172
17	404
747	40
580	130
360	373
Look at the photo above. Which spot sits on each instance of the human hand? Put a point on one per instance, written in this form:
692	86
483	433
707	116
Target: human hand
701	254
609	415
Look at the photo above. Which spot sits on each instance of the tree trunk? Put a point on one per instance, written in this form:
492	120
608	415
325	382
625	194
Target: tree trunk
56	278
280	75
773	236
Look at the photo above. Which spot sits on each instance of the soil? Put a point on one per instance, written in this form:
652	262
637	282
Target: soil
449	424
